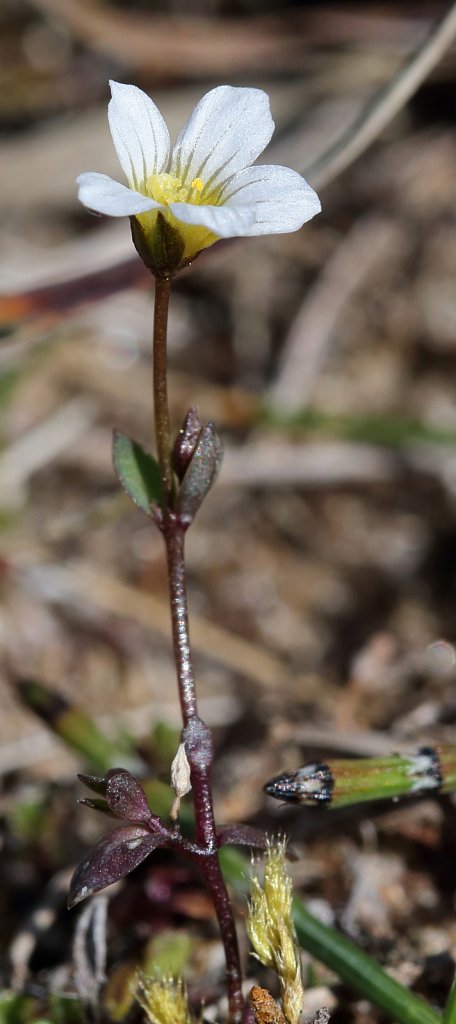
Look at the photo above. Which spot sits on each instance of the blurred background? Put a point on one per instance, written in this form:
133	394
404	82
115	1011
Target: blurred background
322	567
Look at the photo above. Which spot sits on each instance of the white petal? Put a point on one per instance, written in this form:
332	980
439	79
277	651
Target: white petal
224	221
228	129
282	200
101	193
139	133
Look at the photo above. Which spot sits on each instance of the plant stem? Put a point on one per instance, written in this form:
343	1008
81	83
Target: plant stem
160	361
174	540
195	734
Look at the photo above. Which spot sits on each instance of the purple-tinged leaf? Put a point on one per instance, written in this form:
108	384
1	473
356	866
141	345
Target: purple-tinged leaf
93	782
241	835
113	857
126	797
97	805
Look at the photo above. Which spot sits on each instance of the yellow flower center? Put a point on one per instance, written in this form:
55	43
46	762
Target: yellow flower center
165	189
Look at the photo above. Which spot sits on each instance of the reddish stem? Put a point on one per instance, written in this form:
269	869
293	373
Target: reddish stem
195	735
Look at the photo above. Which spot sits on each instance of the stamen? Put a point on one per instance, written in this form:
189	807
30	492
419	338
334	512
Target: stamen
198	184
165	189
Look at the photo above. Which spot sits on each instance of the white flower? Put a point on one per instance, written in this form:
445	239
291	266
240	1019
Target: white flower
206	187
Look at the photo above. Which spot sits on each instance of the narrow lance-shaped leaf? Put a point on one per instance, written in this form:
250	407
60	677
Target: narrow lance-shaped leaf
113	857
360	971
137	471
97	805
93	782
241	835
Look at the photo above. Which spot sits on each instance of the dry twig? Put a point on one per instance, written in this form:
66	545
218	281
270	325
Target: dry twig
385	104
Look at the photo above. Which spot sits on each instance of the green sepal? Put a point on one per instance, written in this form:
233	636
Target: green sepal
138	473
160	246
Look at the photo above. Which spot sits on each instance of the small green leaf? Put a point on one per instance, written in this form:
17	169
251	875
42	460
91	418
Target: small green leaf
137	471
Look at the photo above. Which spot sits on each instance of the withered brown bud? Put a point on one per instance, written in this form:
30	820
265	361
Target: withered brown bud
265	1008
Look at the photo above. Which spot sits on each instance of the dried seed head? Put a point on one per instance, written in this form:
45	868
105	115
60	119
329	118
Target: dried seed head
271	932
163	1000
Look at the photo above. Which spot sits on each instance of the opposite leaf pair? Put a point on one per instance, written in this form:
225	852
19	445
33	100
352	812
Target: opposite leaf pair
197	457
120	795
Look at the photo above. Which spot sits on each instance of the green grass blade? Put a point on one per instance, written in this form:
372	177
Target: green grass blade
387	429
354	967
359	971
75	727
449	1013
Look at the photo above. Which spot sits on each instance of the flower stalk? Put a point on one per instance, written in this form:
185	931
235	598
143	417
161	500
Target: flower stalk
160	358
195	735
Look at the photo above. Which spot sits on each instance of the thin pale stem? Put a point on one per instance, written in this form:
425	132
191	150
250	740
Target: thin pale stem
196	735
174	540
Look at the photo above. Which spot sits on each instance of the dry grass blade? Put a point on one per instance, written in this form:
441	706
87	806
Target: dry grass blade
384	105
188	46
271	463
371	242
42	445
90	951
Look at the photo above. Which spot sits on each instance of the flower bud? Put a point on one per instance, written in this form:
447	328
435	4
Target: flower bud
201	473
185	443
